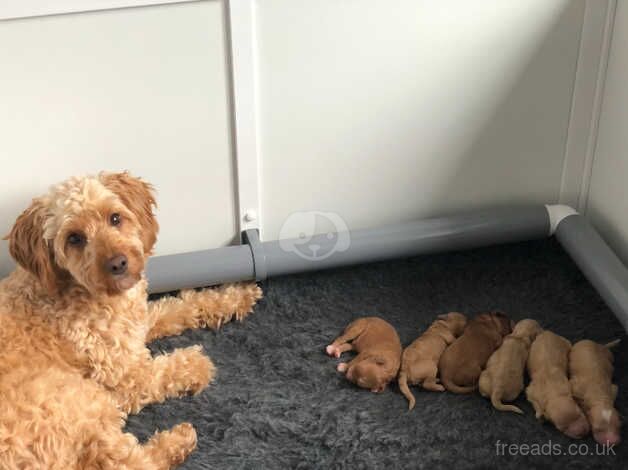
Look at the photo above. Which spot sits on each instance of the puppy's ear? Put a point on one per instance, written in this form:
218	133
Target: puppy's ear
29	248
138	196
502	322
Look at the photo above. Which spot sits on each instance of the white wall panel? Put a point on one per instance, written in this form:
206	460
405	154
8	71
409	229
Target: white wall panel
143	89
390	111
608	194
10	9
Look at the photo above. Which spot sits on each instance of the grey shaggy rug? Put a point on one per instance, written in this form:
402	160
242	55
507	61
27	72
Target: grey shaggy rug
278	402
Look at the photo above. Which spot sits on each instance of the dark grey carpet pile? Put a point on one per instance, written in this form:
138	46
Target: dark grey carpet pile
278	402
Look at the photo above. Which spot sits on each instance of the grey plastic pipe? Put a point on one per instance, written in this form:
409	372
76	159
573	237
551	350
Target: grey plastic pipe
597	262
258	260
470	230
200	268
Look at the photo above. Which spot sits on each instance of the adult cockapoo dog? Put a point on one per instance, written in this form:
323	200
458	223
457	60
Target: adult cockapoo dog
74	321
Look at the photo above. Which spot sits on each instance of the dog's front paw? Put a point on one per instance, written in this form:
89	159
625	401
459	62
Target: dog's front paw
177	443
195	370
240	297
249	294
216	306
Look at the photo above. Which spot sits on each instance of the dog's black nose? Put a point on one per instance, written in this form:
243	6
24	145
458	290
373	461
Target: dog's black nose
117	264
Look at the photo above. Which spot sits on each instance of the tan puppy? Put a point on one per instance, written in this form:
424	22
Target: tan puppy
379	353
461	364
419	362
549	390
503	377
591	372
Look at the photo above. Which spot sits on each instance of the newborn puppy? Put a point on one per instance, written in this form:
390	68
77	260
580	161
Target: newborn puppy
591	372
503	377
419	362
461	364
379	353
549	390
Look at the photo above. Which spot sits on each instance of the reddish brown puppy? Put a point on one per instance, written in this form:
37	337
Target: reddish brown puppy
462	362
379	353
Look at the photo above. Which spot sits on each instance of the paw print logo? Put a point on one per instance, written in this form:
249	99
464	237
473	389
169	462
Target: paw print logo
297	235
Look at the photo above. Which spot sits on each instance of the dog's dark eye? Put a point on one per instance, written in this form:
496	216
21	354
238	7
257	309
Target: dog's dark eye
76	239
115	219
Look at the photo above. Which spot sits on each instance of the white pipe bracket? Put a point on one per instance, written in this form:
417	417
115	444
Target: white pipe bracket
556	214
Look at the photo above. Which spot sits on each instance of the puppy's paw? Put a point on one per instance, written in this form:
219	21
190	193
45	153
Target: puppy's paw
342	367
332	351
433	386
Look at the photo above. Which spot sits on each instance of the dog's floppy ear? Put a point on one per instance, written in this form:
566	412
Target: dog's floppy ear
29	248
138	196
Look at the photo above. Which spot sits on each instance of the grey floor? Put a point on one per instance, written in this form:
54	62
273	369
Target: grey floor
278	402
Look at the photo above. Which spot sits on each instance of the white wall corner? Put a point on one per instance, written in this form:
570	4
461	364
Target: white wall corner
243	47
588	90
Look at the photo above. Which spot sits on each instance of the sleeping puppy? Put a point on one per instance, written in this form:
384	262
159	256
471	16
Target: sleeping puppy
462	362
549	390
591	372
419	362
503	377
379	353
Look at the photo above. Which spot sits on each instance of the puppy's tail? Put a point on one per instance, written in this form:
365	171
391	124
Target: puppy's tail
403	386
452	387
497	404
612	344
